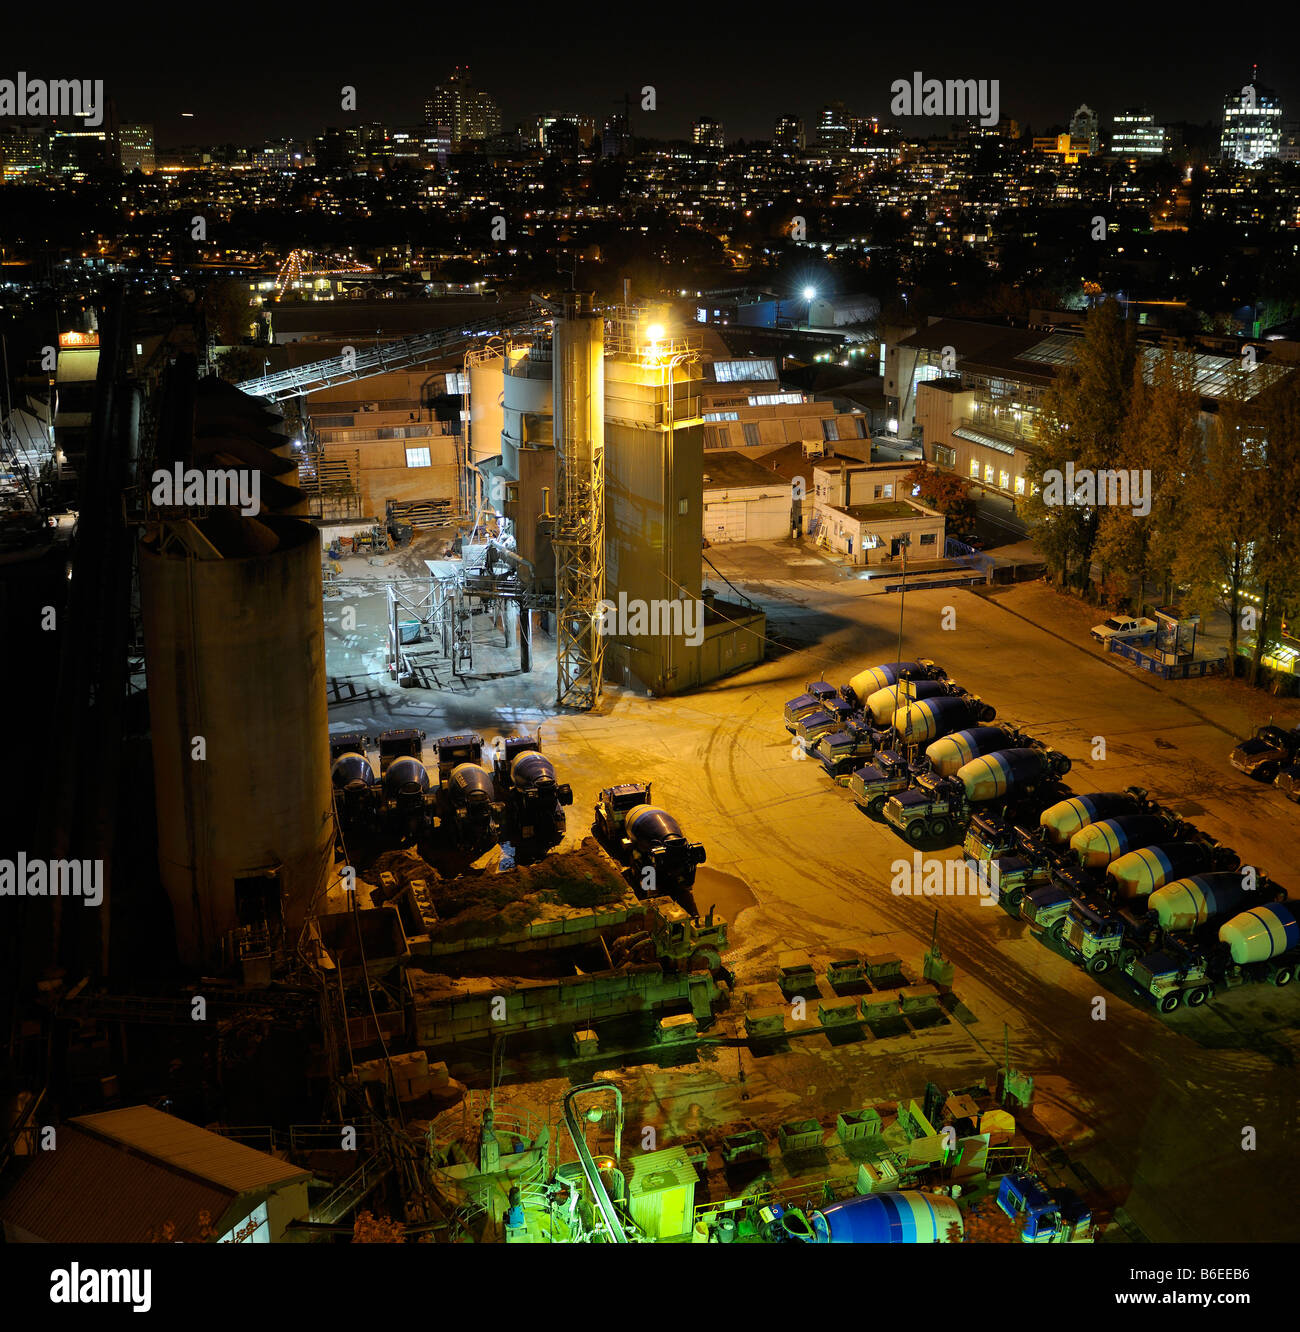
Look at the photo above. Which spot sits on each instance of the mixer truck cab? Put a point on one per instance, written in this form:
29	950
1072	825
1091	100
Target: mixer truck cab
612	808
874	784
1267	752
404	742
931	809
454	750
1056	1217
813	699
1288	782
1046	909
348	742
830	717
842	752
1007	879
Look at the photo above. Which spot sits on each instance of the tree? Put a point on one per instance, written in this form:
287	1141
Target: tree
1218	521
1082	424
228	308
943	491
1271	449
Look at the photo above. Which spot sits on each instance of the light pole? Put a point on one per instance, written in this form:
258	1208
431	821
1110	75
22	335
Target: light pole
903	543
810	295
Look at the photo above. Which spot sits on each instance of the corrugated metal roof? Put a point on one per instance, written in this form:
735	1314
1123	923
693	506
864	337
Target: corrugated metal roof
184	1146
89	1191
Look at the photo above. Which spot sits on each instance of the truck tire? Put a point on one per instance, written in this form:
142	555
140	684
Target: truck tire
939	827
916	832
1057	931
1170	1002
1196	997
1282	976
1100	964
876	805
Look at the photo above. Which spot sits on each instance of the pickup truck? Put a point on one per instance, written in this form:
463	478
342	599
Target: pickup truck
1122	626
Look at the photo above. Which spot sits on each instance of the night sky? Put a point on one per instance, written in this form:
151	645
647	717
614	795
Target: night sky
246	79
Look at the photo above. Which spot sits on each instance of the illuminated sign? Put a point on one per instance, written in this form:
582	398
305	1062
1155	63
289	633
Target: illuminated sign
78	339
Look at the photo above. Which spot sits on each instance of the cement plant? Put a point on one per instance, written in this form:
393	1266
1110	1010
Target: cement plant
747	739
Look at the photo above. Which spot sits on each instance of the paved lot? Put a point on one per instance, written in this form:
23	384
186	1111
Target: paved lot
1156	1107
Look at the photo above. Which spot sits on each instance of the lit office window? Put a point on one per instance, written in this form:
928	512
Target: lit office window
1004	479
975	468
1020	485
418	458
988	473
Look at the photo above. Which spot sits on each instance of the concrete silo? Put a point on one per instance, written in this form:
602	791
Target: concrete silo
235	657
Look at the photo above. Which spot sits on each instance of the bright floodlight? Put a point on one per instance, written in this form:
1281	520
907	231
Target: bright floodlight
809	293
655	332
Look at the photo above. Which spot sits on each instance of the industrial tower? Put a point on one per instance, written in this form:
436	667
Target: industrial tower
578	393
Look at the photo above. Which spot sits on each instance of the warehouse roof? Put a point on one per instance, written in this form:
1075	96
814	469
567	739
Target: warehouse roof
122	1175
725	469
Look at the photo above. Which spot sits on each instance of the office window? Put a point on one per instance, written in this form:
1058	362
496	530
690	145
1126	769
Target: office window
988	473
830	428
927	538
418	458
751	433
880	490
975	468
1020	485
1004	479
944	456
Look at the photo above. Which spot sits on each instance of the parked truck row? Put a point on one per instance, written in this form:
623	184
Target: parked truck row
1114	879
518	798
918	749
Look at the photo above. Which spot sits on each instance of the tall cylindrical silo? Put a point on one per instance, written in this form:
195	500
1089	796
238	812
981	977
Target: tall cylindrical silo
235	657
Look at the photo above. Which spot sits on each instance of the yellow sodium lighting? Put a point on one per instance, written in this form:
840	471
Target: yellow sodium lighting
655	332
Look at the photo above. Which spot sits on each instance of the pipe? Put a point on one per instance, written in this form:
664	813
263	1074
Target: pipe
603	1202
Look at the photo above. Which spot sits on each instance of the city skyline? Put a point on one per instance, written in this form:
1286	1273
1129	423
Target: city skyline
240	104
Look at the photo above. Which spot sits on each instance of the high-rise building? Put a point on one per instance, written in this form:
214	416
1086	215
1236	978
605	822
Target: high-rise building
833	130
615	137
708	133
135	147
1135	133
788	136
469	113
23	149
1083	125
1252	124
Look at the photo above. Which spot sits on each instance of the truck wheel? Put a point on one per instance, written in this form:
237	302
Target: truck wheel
939	827
1100	964
1197	997
1282	976
876	805
1057	930
916	832
1170	1002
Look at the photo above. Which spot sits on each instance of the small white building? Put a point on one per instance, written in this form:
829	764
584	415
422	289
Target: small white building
874	533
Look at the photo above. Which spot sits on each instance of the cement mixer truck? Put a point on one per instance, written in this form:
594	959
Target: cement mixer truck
817	693
936	805
663	861
865	683
1100	925
527	788
469	805
1259	946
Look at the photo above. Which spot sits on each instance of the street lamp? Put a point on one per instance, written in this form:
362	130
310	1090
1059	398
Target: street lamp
810	295
903	543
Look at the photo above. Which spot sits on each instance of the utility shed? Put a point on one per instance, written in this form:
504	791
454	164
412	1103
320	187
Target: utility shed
124	1175
661	1196
743	500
